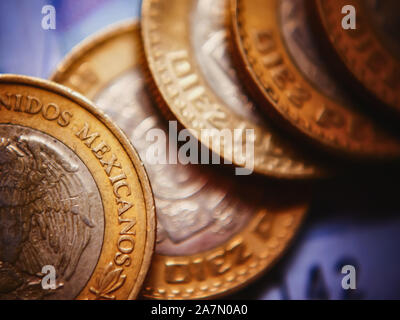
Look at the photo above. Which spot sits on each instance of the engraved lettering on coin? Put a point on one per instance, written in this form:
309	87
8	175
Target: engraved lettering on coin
196	210
297	35
50	214
210	43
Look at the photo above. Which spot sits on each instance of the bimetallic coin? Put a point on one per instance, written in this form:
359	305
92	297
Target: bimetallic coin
191	75
75	201
371	52
287	74
216	232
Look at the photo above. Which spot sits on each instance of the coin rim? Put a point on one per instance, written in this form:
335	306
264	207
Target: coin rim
86	48
275	110
314	169
338	46
89	43
128	148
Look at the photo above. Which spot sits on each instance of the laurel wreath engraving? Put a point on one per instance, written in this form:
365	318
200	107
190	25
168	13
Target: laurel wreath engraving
111	280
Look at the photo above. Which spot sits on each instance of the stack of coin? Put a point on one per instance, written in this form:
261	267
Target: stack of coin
77	193
290	78
371	51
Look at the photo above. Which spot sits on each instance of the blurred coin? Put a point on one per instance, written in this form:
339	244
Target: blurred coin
77	213
186	48
286	72
371	52
216	232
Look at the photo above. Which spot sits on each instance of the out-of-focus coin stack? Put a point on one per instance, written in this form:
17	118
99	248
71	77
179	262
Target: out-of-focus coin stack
319	99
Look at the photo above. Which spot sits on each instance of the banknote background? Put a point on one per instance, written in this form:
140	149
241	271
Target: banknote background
352	221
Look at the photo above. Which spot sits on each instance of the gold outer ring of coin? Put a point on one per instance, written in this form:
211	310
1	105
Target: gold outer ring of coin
212	273
182	92
363	53
129	231
275	81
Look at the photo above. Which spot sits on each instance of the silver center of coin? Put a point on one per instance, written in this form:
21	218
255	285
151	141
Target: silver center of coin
197	209
210	43
51	214
297	36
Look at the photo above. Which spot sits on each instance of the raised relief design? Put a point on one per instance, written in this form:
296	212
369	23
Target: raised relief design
111	280
45	215
195	210
210	41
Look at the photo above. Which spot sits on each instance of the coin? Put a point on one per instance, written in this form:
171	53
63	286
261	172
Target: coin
371	52
287	74
192	77
75	199
215	232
